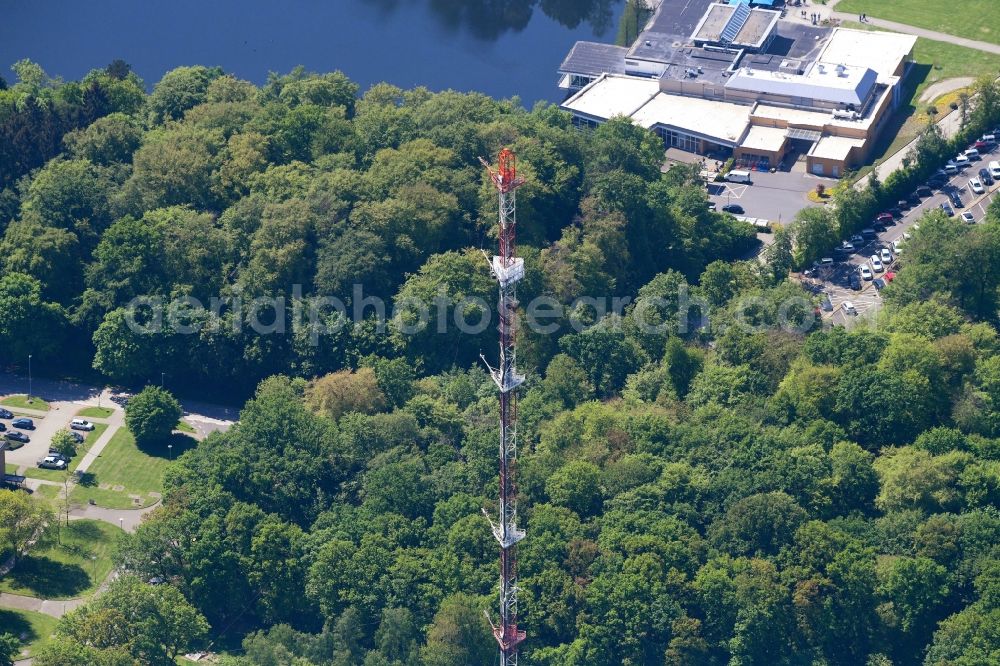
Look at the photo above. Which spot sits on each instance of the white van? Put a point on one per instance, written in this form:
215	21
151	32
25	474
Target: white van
738	176
989	138
994	167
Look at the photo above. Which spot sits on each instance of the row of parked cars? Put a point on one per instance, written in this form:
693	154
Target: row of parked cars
14	435
58	460
978	183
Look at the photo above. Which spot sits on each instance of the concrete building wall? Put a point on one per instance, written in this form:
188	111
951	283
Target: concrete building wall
821	166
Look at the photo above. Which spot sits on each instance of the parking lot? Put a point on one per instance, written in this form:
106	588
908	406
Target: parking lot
772	196
834	280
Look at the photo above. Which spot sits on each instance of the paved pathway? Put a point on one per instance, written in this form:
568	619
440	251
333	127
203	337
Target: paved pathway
943	87
54	608
115	421
127	519
921	32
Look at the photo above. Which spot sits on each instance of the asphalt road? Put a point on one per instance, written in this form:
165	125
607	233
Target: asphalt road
775	197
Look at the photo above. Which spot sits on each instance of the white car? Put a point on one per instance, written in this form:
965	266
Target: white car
897	246
81	424
885	256
876	263
968	218
849	308
976	185
866	273
52	462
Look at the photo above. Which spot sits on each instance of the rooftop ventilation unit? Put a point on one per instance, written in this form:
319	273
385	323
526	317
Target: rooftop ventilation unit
841	70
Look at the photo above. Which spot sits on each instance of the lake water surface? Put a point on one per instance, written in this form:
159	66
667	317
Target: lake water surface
500	47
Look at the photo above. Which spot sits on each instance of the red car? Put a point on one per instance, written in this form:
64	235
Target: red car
979	145
884	218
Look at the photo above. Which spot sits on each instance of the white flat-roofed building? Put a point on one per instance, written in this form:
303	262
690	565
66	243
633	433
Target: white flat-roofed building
828	156
885	52
609	96
694	124
720	78
821	85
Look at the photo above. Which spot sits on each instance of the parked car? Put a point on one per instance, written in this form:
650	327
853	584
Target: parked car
984	175
924	191
956	199
972	154
947	209
711	205
847	246
865	272
57	454
968	218
885	256
885	218
913	198
980	145
961	161
876	263
976	186
858	240
951	168
51	462
23	423
81	424
2	427
854	281
994	168
16	436
849	308
735	209
897	246
6	414
896	212
77	437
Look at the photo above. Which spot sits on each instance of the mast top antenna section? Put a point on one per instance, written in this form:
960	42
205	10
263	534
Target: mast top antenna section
505	175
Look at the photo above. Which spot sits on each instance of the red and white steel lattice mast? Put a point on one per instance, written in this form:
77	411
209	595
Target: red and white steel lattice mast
508	271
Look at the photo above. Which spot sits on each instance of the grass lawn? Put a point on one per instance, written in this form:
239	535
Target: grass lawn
935	61
184	426
69	561
34	629
973	19
57	475
96	412
24	402
123	469
9	469
50	493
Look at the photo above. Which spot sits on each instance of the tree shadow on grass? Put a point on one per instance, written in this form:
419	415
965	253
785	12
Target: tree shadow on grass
170	448
14	623
84	530
86	479
46	578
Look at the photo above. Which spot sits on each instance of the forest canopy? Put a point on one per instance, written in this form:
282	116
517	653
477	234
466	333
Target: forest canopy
750	488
